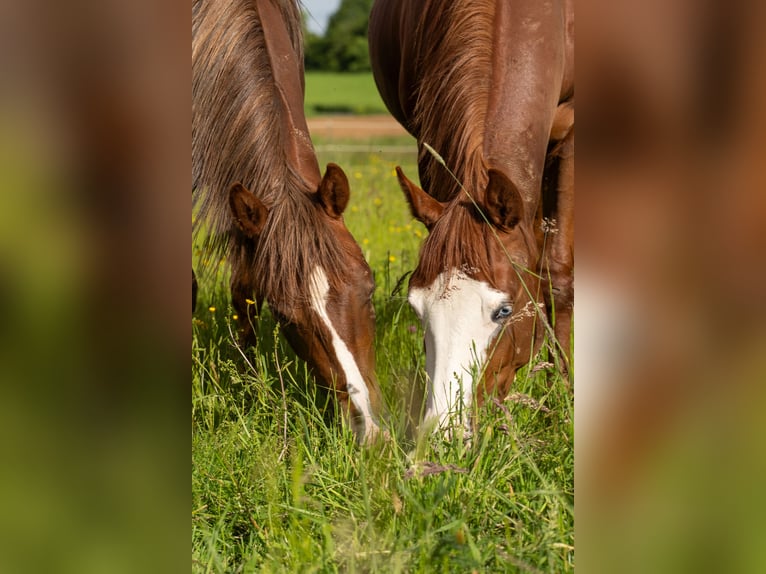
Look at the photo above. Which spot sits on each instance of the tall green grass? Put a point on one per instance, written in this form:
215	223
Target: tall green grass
279	485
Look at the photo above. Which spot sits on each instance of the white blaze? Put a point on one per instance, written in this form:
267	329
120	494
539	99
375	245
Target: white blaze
456	312
319	287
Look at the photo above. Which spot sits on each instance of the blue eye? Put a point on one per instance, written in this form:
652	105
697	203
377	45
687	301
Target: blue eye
502	313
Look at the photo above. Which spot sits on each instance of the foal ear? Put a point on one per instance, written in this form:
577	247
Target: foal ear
503	203
423	207
248	211
333	191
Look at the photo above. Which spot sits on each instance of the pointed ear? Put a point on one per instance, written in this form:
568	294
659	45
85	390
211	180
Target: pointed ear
333	191
424	208
248	211
503	204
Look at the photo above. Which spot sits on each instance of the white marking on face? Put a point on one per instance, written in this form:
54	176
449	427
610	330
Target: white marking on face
319	287
460	318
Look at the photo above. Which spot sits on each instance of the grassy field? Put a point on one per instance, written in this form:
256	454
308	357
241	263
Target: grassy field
276	487
328	92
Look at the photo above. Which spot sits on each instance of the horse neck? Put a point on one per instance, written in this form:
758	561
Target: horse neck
487	99
286	60
528	62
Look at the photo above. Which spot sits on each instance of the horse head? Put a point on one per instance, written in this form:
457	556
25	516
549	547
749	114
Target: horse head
474	293
327	316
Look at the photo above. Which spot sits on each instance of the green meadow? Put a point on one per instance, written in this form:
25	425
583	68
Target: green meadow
329	92
279	485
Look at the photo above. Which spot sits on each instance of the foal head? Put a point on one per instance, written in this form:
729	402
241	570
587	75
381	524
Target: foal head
473	293
307	266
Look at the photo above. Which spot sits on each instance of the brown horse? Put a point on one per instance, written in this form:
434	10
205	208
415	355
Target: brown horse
489	86
263	204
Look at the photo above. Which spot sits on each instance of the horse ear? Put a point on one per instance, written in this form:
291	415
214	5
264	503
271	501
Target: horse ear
503	204
248	211
334	191
424	208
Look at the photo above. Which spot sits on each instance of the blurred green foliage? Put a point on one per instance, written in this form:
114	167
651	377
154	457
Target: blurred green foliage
343	47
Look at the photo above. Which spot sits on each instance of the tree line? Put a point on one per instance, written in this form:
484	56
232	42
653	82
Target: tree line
343	47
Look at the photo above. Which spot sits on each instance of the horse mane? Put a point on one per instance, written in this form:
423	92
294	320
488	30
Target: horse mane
461	239
294	241
454	43
452	243
238	136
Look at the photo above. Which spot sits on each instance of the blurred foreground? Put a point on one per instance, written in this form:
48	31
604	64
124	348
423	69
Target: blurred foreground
94	291
670	323
94	287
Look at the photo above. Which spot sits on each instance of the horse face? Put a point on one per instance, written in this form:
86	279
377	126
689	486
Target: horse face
335	334
330	323
473	295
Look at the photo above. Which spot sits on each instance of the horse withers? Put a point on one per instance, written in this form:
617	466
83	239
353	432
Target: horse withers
480	84
264	205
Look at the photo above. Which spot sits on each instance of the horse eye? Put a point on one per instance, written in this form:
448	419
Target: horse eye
502	313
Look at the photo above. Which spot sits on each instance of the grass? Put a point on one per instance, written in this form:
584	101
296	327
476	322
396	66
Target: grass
328	92
302	497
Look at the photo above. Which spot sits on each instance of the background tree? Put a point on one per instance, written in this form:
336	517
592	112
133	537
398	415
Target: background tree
343	48
314	47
